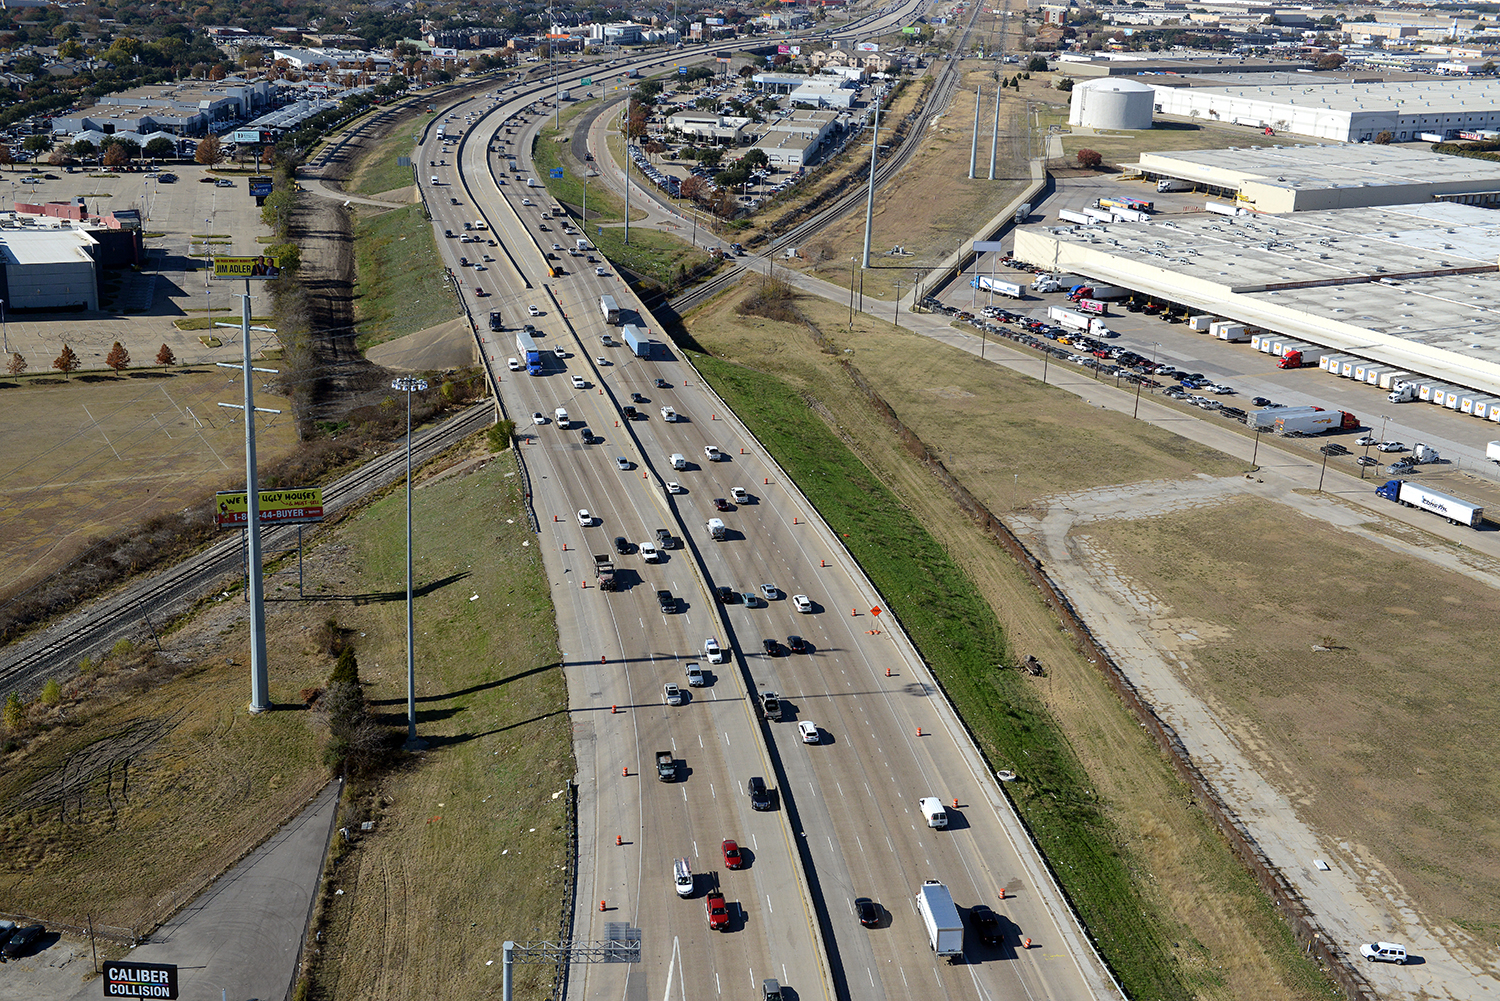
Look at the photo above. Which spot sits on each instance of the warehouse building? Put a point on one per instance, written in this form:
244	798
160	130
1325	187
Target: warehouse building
1304	178
1353	112
1413	288
48	267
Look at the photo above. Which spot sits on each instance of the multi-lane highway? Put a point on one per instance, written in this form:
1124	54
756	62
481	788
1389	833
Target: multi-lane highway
844	821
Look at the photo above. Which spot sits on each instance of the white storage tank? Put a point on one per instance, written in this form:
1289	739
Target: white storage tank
1112	103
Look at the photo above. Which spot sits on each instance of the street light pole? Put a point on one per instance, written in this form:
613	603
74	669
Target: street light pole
1136	413
410	385
851	294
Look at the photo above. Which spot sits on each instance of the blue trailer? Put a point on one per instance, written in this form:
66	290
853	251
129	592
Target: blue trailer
636	341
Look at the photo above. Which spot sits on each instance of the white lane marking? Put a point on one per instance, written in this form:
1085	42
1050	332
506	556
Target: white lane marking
769	909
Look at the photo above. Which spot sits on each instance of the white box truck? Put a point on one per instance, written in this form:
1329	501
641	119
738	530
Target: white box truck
945	932
609	309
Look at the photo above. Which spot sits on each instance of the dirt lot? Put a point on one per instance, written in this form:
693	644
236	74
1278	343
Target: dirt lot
1394	772
91	455
1014	437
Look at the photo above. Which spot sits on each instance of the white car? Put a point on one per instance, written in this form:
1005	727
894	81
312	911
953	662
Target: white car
1220	389
711	452
537	417
603	361
650	553
739	495
1391	446
673	693
770	592
513	365
525	201
584	518
622	463
809	731
578	382
533	310
800	602
668	414
600	272
560	351
673	487
695	676
1367	441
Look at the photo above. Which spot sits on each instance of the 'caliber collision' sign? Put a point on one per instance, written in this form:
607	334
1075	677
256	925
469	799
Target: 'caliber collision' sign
140	980
277	507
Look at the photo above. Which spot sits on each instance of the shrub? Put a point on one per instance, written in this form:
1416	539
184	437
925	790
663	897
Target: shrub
1089	159
346	670
51	692
15	713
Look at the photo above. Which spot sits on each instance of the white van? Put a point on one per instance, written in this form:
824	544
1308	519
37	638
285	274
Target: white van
682	876
716	529
434	180
712	651
932	809
562	417
679	461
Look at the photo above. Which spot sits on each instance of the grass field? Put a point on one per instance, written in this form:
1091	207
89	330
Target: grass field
1396	769
401	286
379	172
470	839
1175	914
93	454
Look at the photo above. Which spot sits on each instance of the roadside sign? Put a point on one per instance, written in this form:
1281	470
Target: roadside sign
875	610
277	507
247	267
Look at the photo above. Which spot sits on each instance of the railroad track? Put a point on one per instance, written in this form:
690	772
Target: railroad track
147	603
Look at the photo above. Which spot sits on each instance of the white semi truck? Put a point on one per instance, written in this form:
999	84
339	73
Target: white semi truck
945	932
1078	321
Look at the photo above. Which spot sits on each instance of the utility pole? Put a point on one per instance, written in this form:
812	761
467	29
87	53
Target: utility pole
974	140
870	201
995	135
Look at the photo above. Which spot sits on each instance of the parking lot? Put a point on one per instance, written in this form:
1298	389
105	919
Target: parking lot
139	307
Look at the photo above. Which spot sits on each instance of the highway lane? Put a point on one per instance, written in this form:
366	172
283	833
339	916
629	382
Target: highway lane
874	759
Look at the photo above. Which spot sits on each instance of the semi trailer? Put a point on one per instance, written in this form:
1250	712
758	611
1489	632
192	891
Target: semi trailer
1456	510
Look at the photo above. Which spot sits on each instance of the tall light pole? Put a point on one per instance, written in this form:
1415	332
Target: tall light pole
1137	412
870	199
410	385
851	295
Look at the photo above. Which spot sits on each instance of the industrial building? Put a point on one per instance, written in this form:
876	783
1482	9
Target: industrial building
1302	178
1111	103
1356	112
1410	288
48	267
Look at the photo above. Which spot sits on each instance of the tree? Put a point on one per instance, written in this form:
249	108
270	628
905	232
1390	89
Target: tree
37	143
165	357
1385	138
118	358
16	365
1037	64
1330	61
67	362
691	187
1089	160
210	151
160	148
346	669
84	150
6	160
115	156
756	158
1066	83
15	713
51	692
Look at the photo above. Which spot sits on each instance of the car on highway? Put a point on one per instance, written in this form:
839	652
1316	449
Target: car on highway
560	351
801	603
739	495
695	677
638	398
578	382
513	365
771	647
713	651
665	601
650	553
796	644
770	591
808	731
601	361
1367	441
749	598
1391	446
557	246
868	911
718	912
711	452
622	545
622	463
600	272
673	487
661	383
525	201
725	595
986	924
672	693
733	857
533	311
537	417
584	518
760	796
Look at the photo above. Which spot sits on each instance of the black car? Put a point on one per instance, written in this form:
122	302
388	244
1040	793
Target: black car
622	545
661	383
725	595
25	938
720	504
666	601
664	538
868	911
1261	401
772	647
986	924
630	413
638	398
796	644
760	797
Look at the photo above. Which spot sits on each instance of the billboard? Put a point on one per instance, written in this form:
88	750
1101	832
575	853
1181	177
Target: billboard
247	267
867	47
789	50
910	29
260	187
713	20
139	980
249	136
277	507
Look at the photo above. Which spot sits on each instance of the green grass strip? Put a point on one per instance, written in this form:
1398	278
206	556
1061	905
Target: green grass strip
400	286
958	634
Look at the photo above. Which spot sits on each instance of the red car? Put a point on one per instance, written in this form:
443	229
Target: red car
732	857
718	913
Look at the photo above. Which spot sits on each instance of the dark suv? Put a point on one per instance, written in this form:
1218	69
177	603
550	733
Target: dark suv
666	601
760	797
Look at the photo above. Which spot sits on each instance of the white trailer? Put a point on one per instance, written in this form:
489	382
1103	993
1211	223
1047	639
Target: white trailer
1485	407
989	283
1221	209
1456	510
1171	184
1226	330
1492	452
945	931
1130	215
1331	362
1431	391
1100	215
1068	215
1389	378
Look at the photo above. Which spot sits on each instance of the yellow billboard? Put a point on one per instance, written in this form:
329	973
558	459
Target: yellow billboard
277	507
247	267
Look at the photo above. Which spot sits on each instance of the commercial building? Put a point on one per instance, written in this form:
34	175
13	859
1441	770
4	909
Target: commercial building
1343	112
47	266
797	139
1411	287
1280	179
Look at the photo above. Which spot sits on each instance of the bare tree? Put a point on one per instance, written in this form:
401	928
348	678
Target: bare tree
67	362
17	364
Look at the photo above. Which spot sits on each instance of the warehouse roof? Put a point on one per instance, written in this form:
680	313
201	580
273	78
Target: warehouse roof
1339	165
45	245
1428	96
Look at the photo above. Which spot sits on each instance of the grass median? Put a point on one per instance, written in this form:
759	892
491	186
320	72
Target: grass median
402	287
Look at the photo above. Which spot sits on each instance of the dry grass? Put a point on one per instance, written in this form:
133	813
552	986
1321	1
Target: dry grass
90	455
1226	940
1396	769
